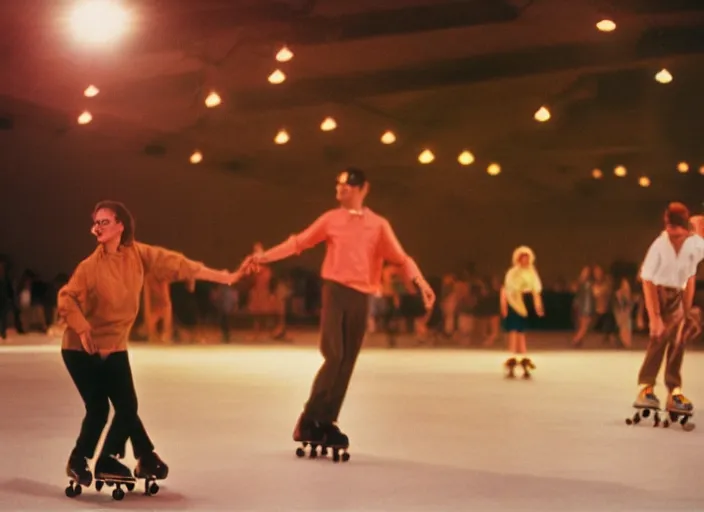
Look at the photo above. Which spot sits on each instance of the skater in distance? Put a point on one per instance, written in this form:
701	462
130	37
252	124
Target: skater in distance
358	241
669	276
99	305
520	279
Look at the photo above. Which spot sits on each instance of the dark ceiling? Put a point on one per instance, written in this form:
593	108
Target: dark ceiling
444	75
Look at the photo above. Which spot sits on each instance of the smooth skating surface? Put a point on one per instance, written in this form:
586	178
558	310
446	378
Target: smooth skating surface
432	429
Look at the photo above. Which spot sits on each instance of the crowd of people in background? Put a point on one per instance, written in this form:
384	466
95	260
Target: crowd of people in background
606	304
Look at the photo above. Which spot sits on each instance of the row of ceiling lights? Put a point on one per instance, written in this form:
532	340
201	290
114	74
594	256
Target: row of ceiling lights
426	156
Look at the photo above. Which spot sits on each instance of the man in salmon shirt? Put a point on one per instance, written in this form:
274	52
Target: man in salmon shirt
358	242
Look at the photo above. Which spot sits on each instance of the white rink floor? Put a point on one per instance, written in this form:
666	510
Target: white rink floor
434	430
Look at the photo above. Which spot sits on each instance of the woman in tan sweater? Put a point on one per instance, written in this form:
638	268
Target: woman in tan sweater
99	306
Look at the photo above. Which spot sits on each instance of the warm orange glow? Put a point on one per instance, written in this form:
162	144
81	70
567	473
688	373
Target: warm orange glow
277	77
328	124
620	171
542	115
85	118
196	157
282	137
683	167
664	76
644	181
98	21
606	25
597	174
701	170
388	137
466	158
426	157
213	100
91	91
493	169
284	55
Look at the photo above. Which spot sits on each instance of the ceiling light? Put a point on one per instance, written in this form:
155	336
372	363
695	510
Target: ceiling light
284	54
426	157
328	124
282	137
466	158
388	137
663	76
606	25
85	118
277	77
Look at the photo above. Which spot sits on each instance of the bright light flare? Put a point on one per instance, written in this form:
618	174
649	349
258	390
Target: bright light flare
98	21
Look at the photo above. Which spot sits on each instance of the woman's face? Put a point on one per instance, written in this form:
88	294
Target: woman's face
524	260
106	228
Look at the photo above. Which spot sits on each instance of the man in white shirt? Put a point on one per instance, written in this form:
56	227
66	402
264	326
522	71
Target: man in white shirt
669	275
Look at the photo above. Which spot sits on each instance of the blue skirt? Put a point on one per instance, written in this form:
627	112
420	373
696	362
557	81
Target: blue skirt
514	322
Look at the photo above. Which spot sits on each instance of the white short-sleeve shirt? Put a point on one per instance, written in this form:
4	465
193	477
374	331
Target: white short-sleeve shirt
664	267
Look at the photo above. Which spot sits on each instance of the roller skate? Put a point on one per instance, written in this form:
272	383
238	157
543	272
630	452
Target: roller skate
679	409
111	472
309	433
337	441
510	366
80	474
151	468
527	366
646	403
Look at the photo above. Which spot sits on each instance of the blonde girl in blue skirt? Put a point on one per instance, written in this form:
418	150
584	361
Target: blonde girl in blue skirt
521	279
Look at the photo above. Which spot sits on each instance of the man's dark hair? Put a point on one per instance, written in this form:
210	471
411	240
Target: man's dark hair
677	214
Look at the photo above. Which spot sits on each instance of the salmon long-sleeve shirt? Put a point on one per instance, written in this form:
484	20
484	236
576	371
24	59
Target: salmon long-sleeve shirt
358	243
103	293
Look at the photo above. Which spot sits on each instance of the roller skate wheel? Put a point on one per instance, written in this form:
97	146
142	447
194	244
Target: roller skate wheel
646	413
69	492
118	494
99	486
324	451
300	452
336	456
666	423
153	489
130	487
345	457
629	421
688	427
78	490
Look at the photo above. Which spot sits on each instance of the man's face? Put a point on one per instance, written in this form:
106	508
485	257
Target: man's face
676	233
346	193
105	227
